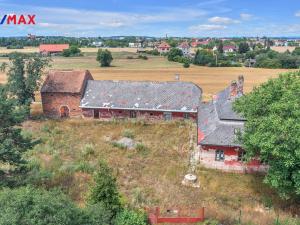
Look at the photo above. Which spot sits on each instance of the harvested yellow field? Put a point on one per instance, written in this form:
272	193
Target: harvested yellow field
158	68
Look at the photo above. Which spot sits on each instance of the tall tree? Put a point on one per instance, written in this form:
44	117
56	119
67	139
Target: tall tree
12	143
24	76
272	130
220	47
105	190
243	47
104	57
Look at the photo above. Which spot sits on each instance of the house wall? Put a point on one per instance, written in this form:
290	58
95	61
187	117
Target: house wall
107	114
52	103
230	163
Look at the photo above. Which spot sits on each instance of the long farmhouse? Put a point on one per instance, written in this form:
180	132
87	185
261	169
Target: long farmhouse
77	94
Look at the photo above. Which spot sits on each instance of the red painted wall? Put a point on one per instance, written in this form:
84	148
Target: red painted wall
122	114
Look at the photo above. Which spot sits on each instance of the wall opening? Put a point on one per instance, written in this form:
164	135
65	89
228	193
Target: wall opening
64	111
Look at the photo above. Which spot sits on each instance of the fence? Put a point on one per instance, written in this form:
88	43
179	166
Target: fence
154	216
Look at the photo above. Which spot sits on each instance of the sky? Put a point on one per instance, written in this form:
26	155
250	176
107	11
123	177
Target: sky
181	18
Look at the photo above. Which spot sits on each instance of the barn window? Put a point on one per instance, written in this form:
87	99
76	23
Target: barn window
241	155
220	155
167	116
120	111
186	115
132	114
151	114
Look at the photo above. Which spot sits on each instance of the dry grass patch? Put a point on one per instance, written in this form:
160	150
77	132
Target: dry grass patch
151	177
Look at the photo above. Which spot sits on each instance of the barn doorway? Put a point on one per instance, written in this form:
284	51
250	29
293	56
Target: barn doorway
96	113
64	111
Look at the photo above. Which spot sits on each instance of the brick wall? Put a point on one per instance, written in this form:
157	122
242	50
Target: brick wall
52	102
107	114
230	163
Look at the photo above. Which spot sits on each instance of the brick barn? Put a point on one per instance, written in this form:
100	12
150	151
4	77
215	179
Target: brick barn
218	126
75	93
62	91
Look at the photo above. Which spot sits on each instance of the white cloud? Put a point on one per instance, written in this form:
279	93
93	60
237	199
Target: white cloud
246	16
222	20
297	14
206	27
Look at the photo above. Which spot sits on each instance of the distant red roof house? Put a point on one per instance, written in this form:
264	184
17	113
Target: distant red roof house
163	47
196	43
229	48
52	48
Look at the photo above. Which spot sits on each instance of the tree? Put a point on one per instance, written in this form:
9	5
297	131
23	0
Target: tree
244	47
71	51
173	53
104	57
220	47
12	142
105	189
28	205
272	130
24	76
129	217
296	51
3	67
203	58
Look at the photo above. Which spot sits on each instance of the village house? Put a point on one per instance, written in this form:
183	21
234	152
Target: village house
163	47
75	93
218	127
229	49
50	49
185	48
197	43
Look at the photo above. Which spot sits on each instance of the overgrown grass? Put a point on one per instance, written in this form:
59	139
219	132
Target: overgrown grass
149	175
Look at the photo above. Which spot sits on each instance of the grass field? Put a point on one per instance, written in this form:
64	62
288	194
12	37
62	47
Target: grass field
151	175
157	68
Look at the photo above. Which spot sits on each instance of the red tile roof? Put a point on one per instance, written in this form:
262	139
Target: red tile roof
53	47
66	81
184	45
164	45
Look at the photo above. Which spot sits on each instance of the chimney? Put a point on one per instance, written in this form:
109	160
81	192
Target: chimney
240	85
177	76
233	89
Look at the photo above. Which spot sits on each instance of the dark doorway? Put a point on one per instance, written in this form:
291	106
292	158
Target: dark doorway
96	113
64	111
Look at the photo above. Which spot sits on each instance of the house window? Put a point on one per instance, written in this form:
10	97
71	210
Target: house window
186	115
167	116
132	114
220	155
241	155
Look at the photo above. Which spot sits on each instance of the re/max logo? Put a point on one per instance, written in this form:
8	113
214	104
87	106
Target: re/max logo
18	20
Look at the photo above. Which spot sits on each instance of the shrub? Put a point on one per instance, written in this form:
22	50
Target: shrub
173	53
118	145
105	190
27	205
152	52
104	57
143	57
128	133
186	65
204	58
130	217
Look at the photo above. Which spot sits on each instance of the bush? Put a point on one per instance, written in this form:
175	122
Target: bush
118	145
152	52
27	205
71	51
105	190
174	52
186	65
128	133
143	57
204	58
104	57
130	217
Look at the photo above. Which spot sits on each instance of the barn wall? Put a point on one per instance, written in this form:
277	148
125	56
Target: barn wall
106	114
230	163
53	101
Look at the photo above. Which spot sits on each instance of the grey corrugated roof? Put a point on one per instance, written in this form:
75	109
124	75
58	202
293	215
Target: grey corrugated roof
143	95
218	123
